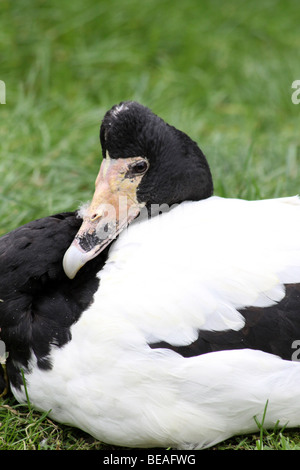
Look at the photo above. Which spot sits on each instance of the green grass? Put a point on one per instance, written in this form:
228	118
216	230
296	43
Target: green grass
22	428
25	429
221	71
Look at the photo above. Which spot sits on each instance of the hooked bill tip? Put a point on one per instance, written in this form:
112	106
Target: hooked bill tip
73	260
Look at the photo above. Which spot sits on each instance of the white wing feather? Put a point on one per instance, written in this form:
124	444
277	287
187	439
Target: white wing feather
196	266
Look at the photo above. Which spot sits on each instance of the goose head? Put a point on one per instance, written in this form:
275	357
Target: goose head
146	164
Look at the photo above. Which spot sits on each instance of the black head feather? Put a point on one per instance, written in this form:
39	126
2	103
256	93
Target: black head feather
178	168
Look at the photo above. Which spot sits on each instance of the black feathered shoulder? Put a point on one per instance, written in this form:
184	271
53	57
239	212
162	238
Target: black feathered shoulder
30	255
38	302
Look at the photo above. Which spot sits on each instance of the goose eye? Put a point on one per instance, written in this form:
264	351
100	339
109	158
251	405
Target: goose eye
139	167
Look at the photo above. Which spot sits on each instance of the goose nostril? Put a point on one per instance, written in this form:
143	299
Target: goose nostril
98	215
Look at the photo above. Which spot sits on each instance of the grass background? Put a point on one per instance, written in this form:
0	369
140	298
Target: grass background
220	71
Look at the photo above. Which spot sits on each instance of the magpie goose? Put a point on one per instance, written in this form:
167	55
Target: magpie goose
158	314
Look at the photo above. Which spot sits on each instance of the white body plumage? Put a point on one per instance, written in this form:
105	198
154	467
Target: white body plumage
165	279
